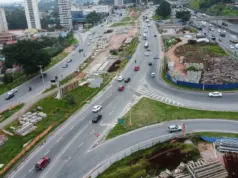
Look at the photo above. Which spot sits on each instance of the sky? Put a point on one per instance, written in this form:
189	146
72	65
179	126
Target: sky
12	1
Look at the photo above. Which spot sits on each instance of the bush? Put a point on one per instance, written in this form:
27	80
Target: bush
7	78
139	174
192	42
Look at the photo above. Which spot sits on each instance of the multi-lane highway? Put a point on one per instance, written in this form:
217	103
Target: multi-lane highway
69	146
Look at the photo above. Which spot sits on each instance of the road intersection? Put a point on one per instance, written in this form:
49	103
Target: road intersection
70	147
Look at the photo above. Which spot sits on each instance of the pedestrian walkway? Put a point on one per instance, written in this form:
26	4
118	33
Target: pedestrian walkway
146	92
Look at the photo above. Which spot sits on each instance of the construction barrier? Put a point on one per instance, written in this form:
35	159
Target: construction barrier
69	87
201	86
24	150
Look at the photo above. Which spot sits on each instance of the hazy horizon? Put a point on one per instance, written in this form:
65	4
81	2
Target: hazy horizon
12	1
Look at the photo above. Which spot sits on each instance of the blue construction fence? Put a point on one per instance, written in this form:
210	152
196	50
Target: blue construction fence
214	139
203	86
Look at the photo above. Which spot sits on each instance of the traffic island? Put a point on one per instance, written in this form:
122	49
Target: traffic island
147	112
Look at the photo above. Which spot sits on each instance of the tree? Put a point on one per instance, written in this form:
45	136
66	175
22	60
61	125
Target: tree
16	19
93	17
183	15
7	78
28	54
164	10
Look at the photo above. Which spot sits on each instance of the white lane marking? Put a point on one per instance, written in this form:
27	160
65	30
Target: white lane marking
92	132
47	152
80	144
63	151
111	113
31	169
59	139
71	128
68	159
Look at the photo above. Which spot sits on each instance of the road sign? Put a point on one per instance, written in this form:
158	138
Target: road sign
120	121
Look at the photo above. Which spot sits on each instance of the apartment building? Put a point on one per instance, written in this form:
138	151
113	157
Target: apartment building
118	3
32	14
65	13
3	21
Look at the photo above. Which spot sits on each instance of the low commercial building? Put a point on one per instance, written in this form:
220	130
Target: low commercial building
7	38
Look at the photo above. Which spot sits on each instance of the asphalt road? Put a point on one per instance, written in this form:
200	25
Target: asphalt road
69	146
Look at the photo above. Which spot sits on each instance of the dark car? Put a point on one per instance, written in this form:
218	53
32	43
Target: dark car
9	96
150	63
80	50
69	60
127	80
42	163
155	35
96	118
43	75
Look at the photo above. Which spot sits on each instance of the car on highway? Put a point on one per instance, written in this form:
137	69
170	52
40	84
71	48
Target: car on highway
121	88
43	75
69	60
96	108
136	68
96	118
155	35
120	78
150	63
80	50
156	57
215	94
9	95
146	53
65	65
232	47
14	90
152	74
42	163
127	80
174	128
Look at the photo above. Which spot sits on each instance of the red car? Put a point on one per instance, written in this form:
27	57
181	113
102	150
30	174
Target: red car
121	88
136	68
42	163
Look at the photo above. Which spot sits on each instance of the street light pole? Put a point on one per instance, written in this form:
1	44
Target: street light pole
41	72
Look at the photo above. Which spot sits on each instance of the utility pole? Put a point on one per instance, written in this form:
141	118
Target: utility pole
42	76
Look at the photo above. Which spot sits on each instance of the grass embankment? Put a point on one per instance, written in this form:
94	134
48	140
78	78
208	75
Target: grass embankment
123	24
56	59
147	112
143	163
9	112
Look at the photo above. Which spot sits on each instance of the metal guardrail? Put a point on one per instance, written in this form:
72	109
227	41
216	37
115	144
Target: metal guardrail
124	153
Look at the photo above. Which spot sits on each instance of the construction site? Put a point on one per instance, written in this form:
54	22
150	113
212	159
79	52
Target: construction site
195	61
186	157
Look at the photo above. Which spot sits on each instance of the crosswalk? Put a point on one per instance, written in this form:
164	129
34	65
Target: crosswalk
146	92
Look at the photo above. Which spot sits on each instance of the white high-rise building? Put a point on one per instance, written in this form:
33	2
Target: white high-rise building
32	14
3	21
118	2
65	13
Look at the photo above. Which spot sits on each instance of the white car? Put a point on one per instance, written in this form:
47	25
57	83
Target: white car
152	74
232	47
215	94
120	78
146	53
14	90
97	108
174	128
